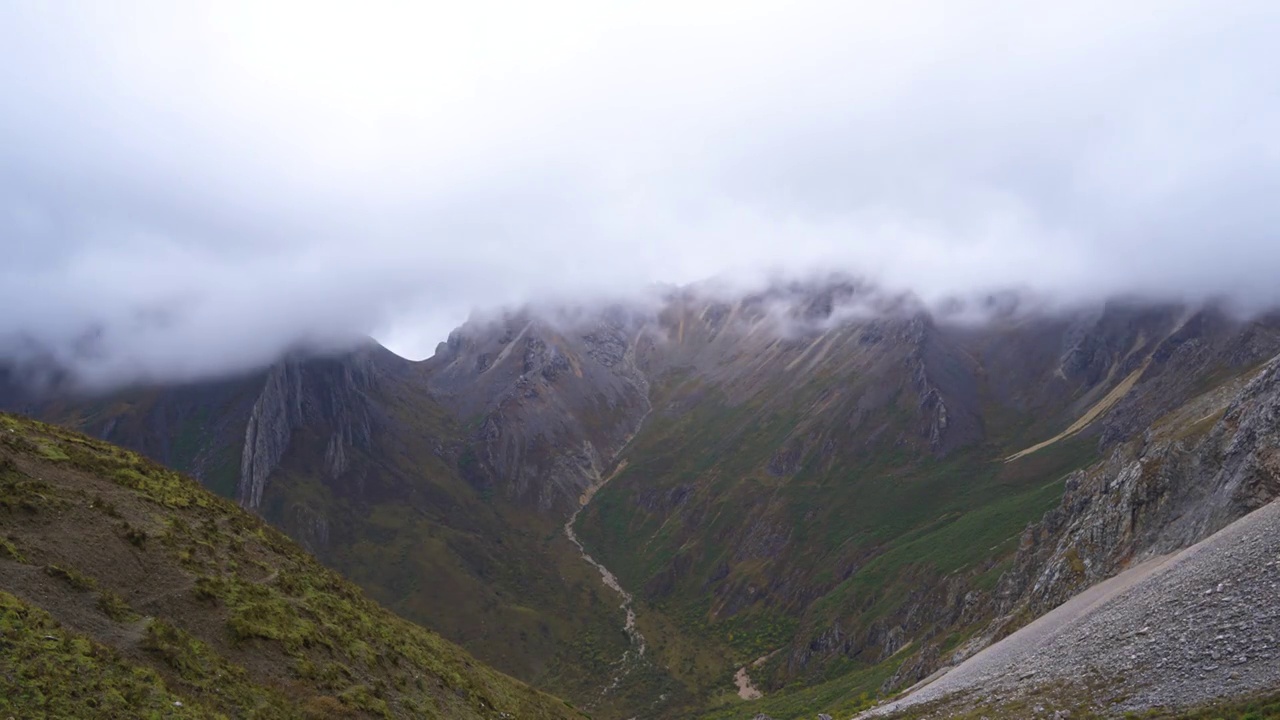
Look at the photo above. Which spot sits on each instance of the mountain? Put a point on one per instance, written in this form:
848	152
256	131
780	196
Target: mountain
354	457
1153	582
818	491
130	591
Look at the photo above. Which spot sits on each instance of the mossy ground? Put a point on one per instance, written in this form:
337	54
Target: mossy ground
159	592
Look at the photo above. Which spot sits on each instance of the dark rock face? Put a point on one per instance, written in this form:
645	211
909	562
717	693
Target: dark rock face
1208	343
328	394
940	375
553	406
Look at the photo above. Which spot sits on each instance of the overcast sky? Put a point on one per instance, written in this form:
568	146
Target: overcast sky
202	184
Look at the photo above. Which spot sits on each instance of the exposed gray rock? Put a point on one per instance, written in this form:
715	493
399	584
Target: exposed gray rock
1153	496
327	395
1173	632
1169	489
553	406
276	413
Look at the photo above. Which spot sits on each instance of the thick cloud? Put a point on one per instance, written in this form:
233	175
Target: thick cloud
188	188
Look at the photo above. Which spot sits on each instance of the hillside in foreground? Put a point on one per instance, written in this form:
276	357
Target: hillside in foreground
131	591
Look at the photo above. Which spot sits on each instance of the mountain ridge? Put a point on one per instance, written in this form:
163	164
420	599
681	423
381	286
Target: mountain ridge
794	472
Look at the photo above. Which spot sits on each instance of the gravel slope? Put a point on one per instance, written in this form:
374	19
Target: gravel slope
1174	631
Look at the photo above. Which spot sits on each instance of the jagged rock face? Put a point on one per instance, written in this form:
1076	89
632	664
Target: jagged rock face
1198	465
551	405
849	393
1207	343
1160	493
329	395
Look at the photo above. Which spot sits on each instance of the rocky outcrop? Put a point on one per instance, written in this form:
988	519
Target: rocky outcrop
308	526
1215	460
276	413
327	396
1172	632
1206	343
554	404
945	383
1164	491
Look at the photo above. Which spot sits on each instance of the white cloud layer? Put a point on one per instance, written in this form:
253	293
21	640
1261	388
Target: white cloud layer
201	185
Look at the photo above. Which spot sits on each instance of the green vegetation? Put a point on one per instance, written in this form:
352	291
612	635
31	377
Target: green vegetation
244	609
1265	706
72	577
698	523
115	607
208	677
843	697
46	671
10	551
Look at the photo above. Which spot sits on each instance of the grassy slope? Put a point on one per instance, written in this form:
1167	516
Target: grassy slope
499	579
502	581
198	427
132	588
889	519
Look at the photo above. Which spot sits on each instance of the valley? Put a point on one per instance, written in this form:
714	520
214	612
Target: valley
639	361
635	654
797	500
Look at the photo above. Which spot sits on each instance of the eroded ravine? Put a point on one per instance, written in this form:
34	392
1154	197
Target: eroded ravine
634	655
610	580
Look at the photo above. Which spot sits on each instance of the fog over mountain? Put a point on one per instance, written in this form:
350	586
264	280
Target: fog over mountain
188	189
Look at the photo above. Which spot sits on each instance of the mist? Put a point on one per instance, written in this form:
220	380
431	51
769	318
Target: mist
187	191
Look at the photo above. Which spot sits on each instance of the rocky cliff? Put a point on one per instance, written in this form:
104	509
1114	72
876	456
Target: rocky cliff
1189	474
328	395
550	402
1198	469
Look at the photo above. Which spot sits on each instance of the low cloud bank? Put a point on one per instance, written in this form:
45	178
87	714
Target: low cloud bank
193	191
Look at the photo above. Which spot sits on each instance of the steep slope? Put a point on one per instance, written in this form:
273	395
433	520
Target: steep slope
130	590
1171	632
352	456
198	427
1147	627
834	494
550	403
816	484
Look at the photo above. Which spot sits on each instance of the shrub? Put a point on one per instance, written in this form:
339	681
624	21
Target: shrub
70	576
115	607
